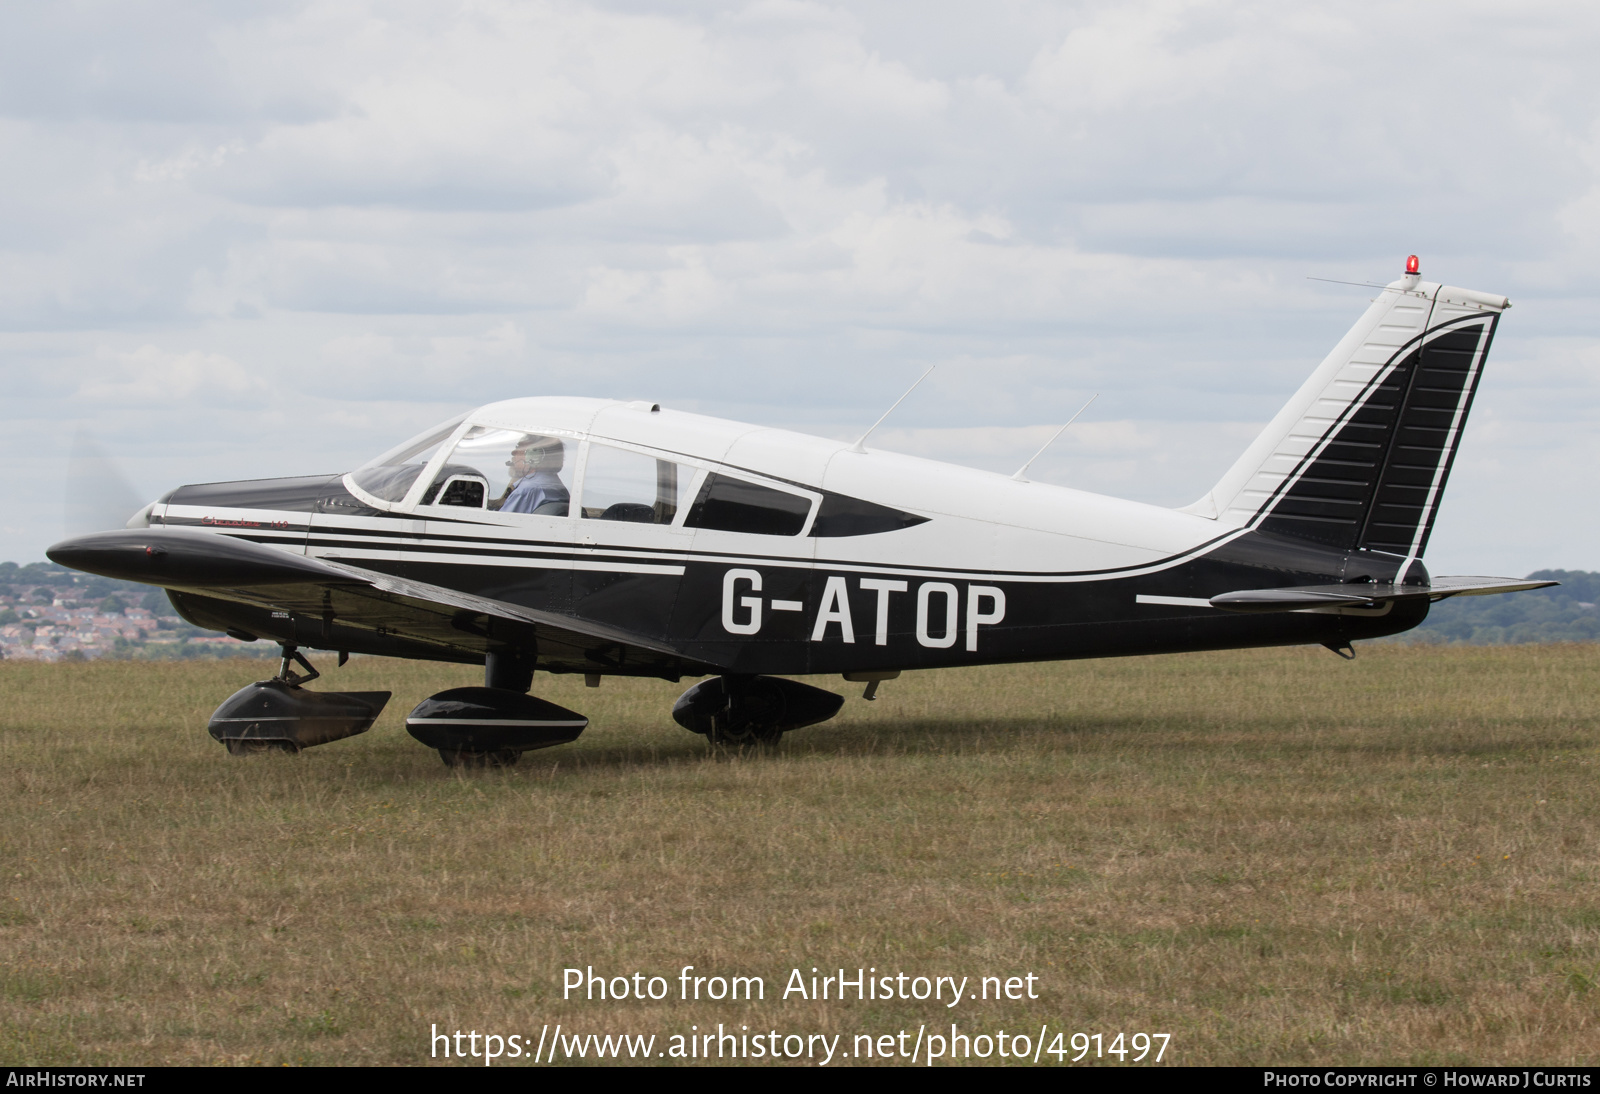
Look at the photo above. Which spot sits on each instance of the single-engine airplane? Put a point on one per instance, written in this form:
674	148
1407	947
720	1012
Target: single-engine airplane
628	539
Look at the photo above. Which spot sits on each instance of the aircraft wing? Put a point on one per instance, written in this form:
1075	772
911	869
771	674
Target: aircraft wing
313	599
1366	595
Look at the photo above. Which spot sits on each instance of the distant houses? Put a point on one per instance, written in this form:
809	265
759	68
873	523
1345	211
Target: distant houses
67	620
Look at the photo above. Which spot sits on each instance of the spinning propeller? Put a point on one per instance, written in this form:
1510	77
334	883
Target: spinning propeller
99	496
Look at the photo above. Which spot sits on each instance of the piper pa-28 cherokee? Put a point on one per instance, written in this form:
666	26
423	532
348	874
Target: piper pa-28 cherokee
627	539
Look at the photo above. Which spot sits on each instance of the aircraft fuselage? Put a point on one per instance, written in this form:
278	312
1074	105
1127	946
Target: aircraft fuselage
1008	571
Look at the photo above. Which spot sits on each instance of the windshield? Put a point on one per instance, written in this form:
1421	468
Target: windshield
505	470
389	477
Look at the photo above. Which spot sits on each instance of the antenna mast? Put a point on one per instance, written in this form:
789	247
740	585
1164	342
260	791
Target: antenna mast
861	445
1052	440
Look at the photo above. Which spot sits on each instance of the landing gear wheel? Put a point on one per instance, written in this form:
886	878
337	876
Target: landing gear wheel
740	710
460	757
752	717
248	747
730	732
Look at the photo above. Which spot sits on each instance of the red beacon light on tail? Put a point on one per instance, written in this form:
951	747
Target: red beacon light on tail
1412	265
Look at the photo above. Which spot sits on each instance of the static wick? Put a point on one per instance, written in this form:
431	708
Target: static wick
861	445
1052	440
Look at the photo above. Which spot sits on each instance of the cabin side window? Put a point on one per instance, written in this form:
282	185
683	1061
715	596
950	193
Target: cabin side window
631	486
844	516
728	504
506	470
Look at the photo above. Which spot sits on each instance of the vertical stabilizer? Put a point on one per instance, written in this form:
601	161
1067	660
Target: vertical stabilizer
1359	457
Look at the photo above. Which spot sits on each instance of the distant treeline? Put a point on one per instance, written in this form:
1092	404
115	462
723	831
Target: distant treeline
1566	613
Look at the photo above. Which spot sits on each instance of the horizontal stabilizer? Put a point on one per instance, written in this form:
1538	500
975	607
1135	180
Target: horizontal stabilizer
1366	595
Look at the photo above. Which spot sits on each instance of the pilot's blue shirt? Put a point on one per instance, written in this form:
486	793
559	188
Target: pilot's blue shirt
535	490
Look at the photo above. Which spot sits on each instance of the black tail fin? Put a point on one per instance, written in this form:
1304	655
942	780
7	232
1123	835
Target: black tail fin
1359	458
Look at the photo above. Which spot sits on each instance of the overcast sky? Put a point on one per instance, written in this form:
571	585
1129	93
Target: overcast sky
257	238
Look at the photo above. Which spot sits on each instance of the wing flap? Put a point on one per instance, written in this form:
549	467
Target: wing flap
421	592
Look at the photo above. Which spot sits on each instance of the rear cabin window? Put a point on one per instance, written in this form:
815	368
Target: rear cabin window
733	505
842	516
629	486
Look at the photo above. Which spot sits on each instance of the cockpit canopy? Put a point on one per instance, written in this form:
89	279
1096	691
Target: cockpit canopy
476	464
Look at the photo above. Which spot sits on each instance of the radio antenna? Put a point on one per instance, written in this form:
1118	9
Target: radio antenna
861	445
1052	440
1358	284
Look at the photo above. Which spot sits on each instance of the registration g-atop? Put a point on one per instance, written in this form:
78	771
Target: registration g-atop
604	538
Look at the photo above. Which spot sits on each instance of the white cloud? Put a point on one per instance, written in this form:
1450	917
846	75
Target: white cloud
179	167
152	377
391	366
782	211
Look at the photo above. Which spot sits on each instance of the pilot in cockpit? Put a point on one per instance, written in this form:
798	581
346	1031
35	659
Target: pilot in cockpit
535	485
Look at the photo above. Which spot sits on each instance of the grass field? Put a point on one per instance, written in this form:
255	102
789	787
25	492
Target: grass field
1274	856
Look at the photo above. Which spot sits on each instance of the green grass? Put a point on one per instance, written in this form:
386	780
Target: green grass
1274	856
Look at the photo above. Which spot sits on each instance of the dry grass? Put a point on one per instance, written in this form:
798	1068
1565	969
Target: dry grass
1274	856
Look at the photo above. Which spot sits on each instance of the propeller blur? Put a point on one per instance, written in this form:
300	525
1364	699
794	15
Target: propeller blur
98	495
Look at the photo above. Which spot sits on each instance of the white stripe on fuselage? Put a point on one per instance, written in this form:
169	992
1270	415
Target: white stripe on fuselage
581	558
377	554
375	546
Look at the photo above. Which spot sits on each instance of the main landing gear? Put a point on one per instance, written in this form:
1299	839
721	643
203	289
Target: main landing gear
279	715
490	727
740	710
494	725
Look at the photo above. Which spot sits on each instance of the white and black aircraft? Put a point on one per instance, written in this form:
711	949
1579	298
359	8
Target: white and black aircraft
628	539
